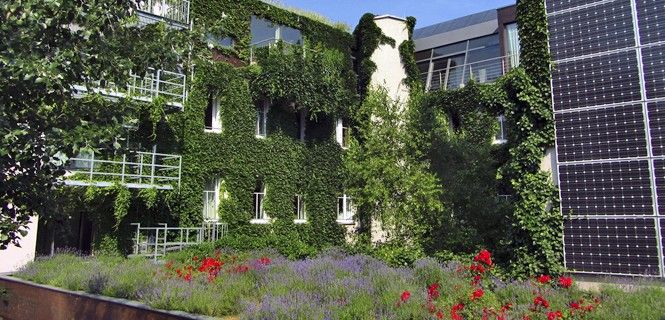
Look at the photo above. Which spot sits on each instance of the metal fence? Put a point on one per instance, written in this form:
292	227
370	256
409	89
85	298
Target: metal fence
173	10
453	77
135	170
155	242
159	83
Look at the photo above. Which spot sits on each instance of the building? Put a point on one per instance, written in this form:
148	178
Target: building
481	46
608	92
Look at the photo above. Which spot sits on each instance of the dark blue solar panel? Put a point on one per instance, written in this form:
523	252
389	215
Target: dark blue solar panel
596	81
620	246
659	172
559	5
601	134
657	127
592	30
651	19
653	59
615	188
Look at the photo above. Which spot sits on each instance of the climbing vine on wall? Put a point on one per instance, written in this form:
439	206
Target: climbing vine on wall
368	37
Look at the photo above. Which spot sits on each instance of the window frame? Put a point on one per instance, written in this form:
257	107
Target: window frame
217	182
502	135
260	214
216	125
343	134
262	121
348	210
300	209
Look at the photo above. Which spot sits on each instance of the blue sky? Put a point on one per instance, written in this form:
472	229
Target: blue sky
427	12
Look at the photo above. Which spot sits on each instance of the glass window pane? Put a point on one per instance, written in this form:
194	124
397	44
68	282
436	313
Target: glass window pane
491	52
449	49
290	35
488	41
422	55
513	47
263	32
226	42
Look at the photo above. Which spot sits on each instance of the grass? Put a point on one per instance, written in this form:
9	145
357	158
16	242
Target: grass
264	285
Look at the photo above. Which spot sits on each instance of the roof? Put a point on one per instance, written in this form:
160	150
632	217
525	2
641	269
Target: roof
455	24
389	16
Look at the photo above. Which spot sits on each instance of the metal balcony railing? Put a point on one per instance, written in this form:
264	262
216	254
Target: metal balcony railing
170	11
138	170
454	77
155	242
156	83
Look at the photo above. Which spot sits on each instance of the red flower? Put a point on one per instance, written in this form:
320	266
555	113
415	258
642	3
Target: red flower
405	296
483	256
439	314
476	280
574	305
477	268
479	293
433	291
544	279
265	261
565	282
188	277
169	265
455	309
506	307
431	307
540	301
241	269
554	315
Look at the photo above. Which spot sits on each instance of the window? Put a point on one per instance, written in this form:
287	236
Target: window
299	208
83	161
343	133
261	121
502	134
345	210
260	216
301	119
265	33
513	47
213	119
211	192
217	41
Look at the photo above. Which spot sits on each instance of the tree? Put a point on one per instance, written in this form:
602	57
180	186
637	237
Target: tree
47	47
389	184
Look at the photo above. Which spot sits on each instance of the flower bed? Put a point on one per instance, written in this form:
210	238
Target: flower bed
333	285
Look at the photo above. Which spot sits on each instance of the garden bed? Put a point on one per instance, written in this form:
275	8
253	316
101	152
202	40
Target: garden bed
335	285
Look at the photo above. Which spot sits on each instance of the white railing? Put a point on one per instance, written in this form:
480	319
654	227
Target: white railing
159	83
139	170
455	77
171	10
156	83
155	242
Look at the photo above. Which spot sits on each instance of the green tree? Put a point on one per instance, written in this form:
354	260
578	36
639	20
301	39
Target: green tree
389	184
47	47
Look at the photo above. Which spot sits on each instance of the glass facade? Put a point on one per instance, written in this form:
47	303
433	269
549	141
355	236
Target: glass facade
453	65
265	33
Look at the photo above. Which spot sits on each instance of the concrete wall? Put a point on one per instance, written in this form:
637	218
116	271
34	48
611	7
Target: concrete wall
390	72
13	257
549	164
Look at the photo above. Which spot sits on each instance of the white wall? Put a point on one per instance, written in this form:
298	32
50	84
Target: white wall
390	72
13	257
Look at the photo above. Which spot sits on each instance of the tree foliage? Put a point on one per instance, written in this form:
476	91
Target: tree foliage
47	47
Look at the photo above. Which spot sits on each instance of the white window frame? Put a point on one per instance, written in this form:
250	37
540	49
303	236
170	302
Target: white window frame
216	118
260	215
301	211
262	122
503	132
215	194
343	134
302	124
345	216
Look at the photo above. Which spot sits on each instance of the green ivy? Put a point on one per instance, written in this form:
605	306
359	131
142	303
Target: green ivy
407	50
368	38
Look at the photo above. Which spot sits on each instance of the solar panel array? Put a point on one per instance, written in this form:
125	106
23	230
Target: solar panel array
608	88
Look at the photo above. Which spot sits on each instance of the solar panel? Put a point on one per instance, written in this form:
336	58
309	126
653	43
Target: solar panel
650	16
618	246
659	172
657	127
592	30
606	133
596	81
653	60
614	188
559	5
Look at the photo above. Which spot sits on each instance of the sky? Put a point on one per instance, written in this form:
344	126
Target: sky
427	12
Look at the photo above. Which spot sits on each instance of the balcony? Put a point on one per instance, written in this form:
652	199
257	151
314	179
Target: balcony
172	12
156	83
454	77
137	170
156	242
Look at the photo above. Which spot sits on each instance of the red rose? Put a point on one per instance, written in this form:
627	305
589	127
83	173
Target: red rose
483	256
405	296
479	293
544	279
554	315
540	301
439	315
565	282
